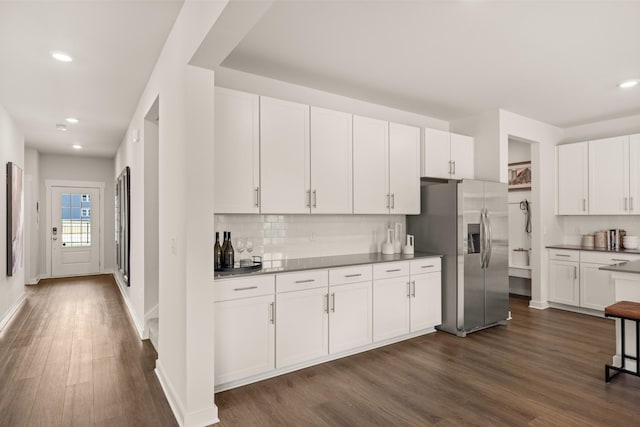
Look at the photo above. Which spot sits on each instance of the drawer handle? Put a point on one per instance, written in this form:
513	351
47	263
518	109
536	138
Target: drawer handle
394	270
306	281
245	289
568	256
353	275
427	266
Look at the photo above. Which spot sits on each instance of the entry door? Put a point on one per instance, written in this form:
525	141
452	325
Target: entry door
75	231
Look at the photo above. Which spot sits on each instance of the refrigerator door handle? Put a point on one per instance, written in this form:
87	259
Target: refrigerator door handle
483	238
489	238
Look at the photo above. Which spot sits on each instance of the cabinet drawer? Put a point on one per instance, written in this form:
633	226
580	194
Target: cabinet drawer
355	274
607	257
243	287
390	269
564	255
425	265
301	280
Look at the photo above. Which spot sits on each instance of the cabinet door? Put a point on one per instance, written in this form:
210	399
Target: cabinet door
284	157
572	179
609	176
436	154
462	156
634	174
370	166
245	336
331	162
390	308
426	301
596	287
564	283
302	326
350	316
236	143
404	168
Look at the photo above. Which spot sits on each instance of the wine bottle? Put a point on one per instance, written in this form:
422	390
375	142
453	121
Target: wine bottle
223	249
228	252
217	253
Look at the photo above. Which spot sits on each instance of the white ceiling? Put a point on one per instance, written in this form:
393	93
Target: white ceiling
115	45
555	61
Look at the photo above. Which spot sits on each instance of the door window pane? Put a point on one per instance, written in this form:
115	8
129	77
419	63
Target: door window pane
76	219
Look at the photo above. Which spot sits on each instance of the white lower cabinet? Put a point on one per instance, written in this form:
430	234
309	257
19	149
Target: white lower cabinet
244	337
596	287
564	284
350	316
426	301
302	331
391	307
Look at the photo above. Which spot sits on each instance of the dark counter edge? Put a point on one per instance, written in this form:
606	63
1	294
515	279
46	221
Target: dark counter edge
632	267
582	248
316	263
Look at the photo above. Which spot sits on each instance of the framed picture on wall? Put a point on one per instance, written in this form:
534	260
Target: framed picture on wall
520	176
15	218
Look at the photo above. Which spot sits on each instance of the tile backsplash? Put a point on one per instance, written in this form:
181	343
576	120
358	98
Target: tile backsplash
300	236
575	226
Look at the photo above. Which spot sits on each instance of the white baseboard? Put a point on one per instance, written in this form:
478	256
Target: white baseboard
7	317
151	314
141	331
201	418
34	280
539	305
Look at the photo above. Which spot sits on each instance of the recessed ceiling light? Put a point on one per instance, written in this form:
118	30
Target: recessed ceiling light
61	127
77	146
71	120
61	56
629	83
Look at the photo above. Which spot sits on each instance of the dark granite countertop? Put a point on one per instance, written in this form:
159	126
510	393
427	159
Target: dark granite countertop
624	267
582	248
301	264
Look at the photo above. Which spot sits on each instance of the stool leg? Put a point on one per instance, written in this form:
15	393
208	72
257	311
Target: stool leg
622	339
637	349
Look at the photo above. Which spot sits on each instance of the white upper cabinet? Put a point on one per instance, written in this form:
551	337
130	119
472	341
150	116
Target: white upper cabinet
437	154
331	162
404	169
447	155
572	173
609	176
462	156
284	157
370	166
237	152
634	174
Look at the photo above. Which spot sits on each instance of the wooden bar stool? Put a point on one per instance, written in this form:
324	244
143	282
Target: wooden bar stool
624	310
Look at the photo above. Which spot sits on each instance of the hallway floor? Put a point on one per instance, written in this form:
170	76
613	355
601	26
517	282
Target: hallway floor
71	356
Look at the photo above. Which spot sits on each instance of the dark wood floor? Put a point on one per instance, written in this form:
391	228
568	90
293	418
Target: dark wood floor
545	368
71	357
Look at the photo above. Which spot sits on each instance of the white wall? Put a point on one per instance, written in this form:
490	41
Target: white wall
603	129
277	237
76	168
185	356
234	79
33	214
11	150
151	225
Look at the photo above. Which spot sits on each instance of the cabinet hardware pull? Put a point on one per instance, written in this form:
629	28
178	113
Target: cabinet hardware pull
413	294
427	266
245	289
257	190
333	302
630	203
454	167
315	199
450	171
326	303
388	200
575	272
393	200
409	289
393	271
563	255
353	275
626	204
272	313
308	198
306	281
584	205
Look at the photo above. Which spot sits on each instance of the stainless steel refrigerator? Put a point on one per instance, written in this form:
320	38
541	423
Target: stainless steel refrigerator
466	221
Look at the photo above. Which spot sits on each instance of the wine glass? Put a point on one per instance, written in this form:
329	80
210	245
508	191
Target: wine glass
249	247
239	246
